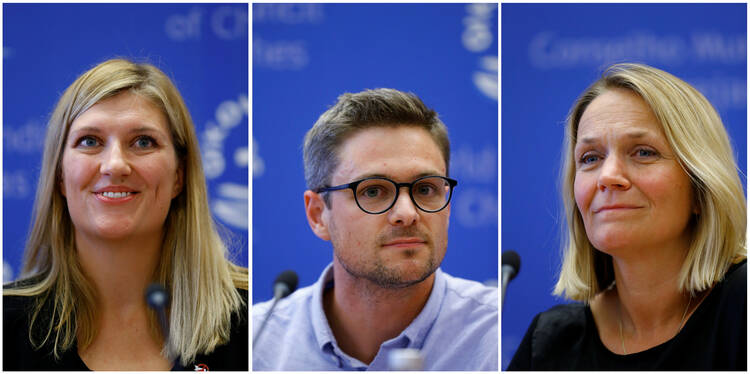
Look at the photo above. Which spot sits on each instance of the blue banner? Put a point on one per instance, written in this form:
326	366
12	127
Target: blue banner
202	47
306	55
550	54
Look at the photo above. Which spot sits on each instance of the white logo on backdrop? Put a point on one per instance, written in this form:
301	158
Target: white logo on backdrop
548	50
224	22
475	205
231	201
290	14
477	38
283	54
23	140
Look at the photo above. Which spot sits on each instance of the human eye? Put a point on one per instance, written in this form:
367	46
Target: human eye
372	191
588	158
144	142
645	153
87	141
425	188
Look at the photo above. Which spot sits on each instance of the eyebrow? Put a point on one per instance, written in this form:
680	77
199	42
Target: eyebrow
97	130
635	134
379	175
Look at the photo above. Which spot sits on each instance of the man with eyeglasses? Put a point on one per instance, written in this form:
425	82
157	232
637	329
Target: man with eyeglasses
376	165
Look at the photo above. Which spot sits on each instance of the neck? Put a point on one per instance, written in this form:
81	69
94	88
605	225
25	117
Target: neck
356	302
648	290
119	270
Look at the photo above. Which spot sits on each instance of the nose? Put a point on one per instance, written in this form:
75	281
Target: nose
114	161
403	212
613	174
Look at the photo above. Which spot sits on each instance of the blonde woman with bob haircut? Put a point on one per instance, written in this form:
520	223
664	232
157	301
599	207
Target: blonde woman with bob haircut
122	203
655	242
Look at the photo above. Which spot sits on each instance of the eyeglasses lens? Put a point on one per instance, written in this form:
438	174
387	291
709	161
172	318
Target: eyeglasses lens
431	193
377	195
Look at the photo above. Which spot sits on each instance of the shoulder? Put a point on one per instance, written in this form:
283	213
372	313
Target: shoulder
13	305
728	299
736	277
730	294
298	302
561	319
16	312
234	354
17	349
468	318
467	291
290	338
551	337
17	308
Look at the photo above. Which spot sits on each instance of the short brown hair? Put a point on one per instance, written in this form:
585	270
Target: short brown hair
382	107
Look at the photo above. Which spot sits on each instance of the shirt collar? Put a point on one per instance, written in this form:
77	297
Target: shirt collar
323	333
415	332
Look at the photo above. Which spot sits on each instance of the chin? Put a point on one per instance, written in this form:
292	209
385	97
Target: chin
613	247
114	231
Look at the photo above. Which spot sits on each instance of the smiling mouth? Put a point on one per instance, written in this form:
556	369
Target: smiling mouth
115	195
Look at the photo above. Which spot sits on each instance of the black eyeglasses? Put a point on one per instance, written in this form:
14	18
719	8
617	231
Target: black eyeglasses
376	195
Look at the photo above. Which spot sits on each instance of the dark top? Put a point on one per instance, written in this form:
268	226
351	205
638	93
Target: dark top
714	337
18	353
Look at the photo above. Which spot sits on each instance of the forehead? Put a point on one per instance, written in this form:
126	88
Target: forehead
125	108
618	110
400	153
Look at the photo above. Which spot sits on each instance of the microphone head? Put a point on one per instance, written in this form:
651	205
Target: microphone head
287	279
156	296
512	259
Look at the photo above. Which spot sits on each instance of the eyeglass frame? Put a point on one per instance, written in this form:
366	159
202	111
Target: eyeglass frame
353	186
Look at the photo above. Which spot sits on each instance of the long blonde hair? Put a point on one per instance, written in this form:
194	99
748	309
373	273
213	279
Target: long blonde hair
193	263
697	136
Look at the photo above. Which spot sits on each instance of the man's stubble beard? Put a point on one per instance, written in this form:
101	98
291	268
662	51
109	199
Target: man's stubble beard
385	277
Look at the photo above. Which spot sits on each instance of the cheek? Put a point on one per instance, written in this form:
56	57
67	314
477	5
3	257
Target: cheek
160	173
583	189
74	173
671	190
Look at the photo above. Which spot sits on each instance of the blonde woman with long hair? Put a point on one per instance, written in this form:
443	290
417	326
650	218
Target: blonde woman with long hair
655	241
122	203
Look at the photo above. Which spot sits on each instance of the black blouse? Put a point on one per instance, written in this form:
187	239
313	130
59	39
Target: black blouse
714	337
18	353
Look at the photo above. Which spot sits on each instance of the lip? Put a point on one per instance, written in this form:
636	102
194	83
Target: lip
405	243
99	194
114	189
616	207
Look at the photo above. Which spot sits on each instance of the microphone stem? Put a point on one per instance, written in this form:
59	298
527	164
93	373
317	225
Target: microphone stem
263	324
506	280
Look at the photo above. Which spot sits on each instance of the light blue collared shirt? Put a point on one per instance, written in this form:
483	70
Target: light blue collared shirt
456	330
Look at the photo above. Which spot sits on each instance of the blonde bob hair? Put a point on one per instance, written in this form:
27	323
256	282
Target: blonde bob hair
697	136
193	264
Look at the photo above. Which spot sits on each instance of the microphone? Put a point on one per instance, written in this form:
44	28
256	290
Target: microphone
511	267
157	298
283	286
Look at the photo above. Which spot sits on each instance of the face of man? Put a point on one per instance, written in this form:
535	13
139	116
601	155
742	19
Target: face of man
403	245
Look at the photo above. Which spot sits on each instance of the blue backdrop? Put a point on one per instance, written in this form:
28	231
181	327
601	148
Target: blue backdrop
203	48
306	55
550	54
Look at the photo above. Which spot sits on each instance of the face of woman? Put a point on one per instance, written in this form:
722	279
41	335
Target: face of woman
119	169
629	187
